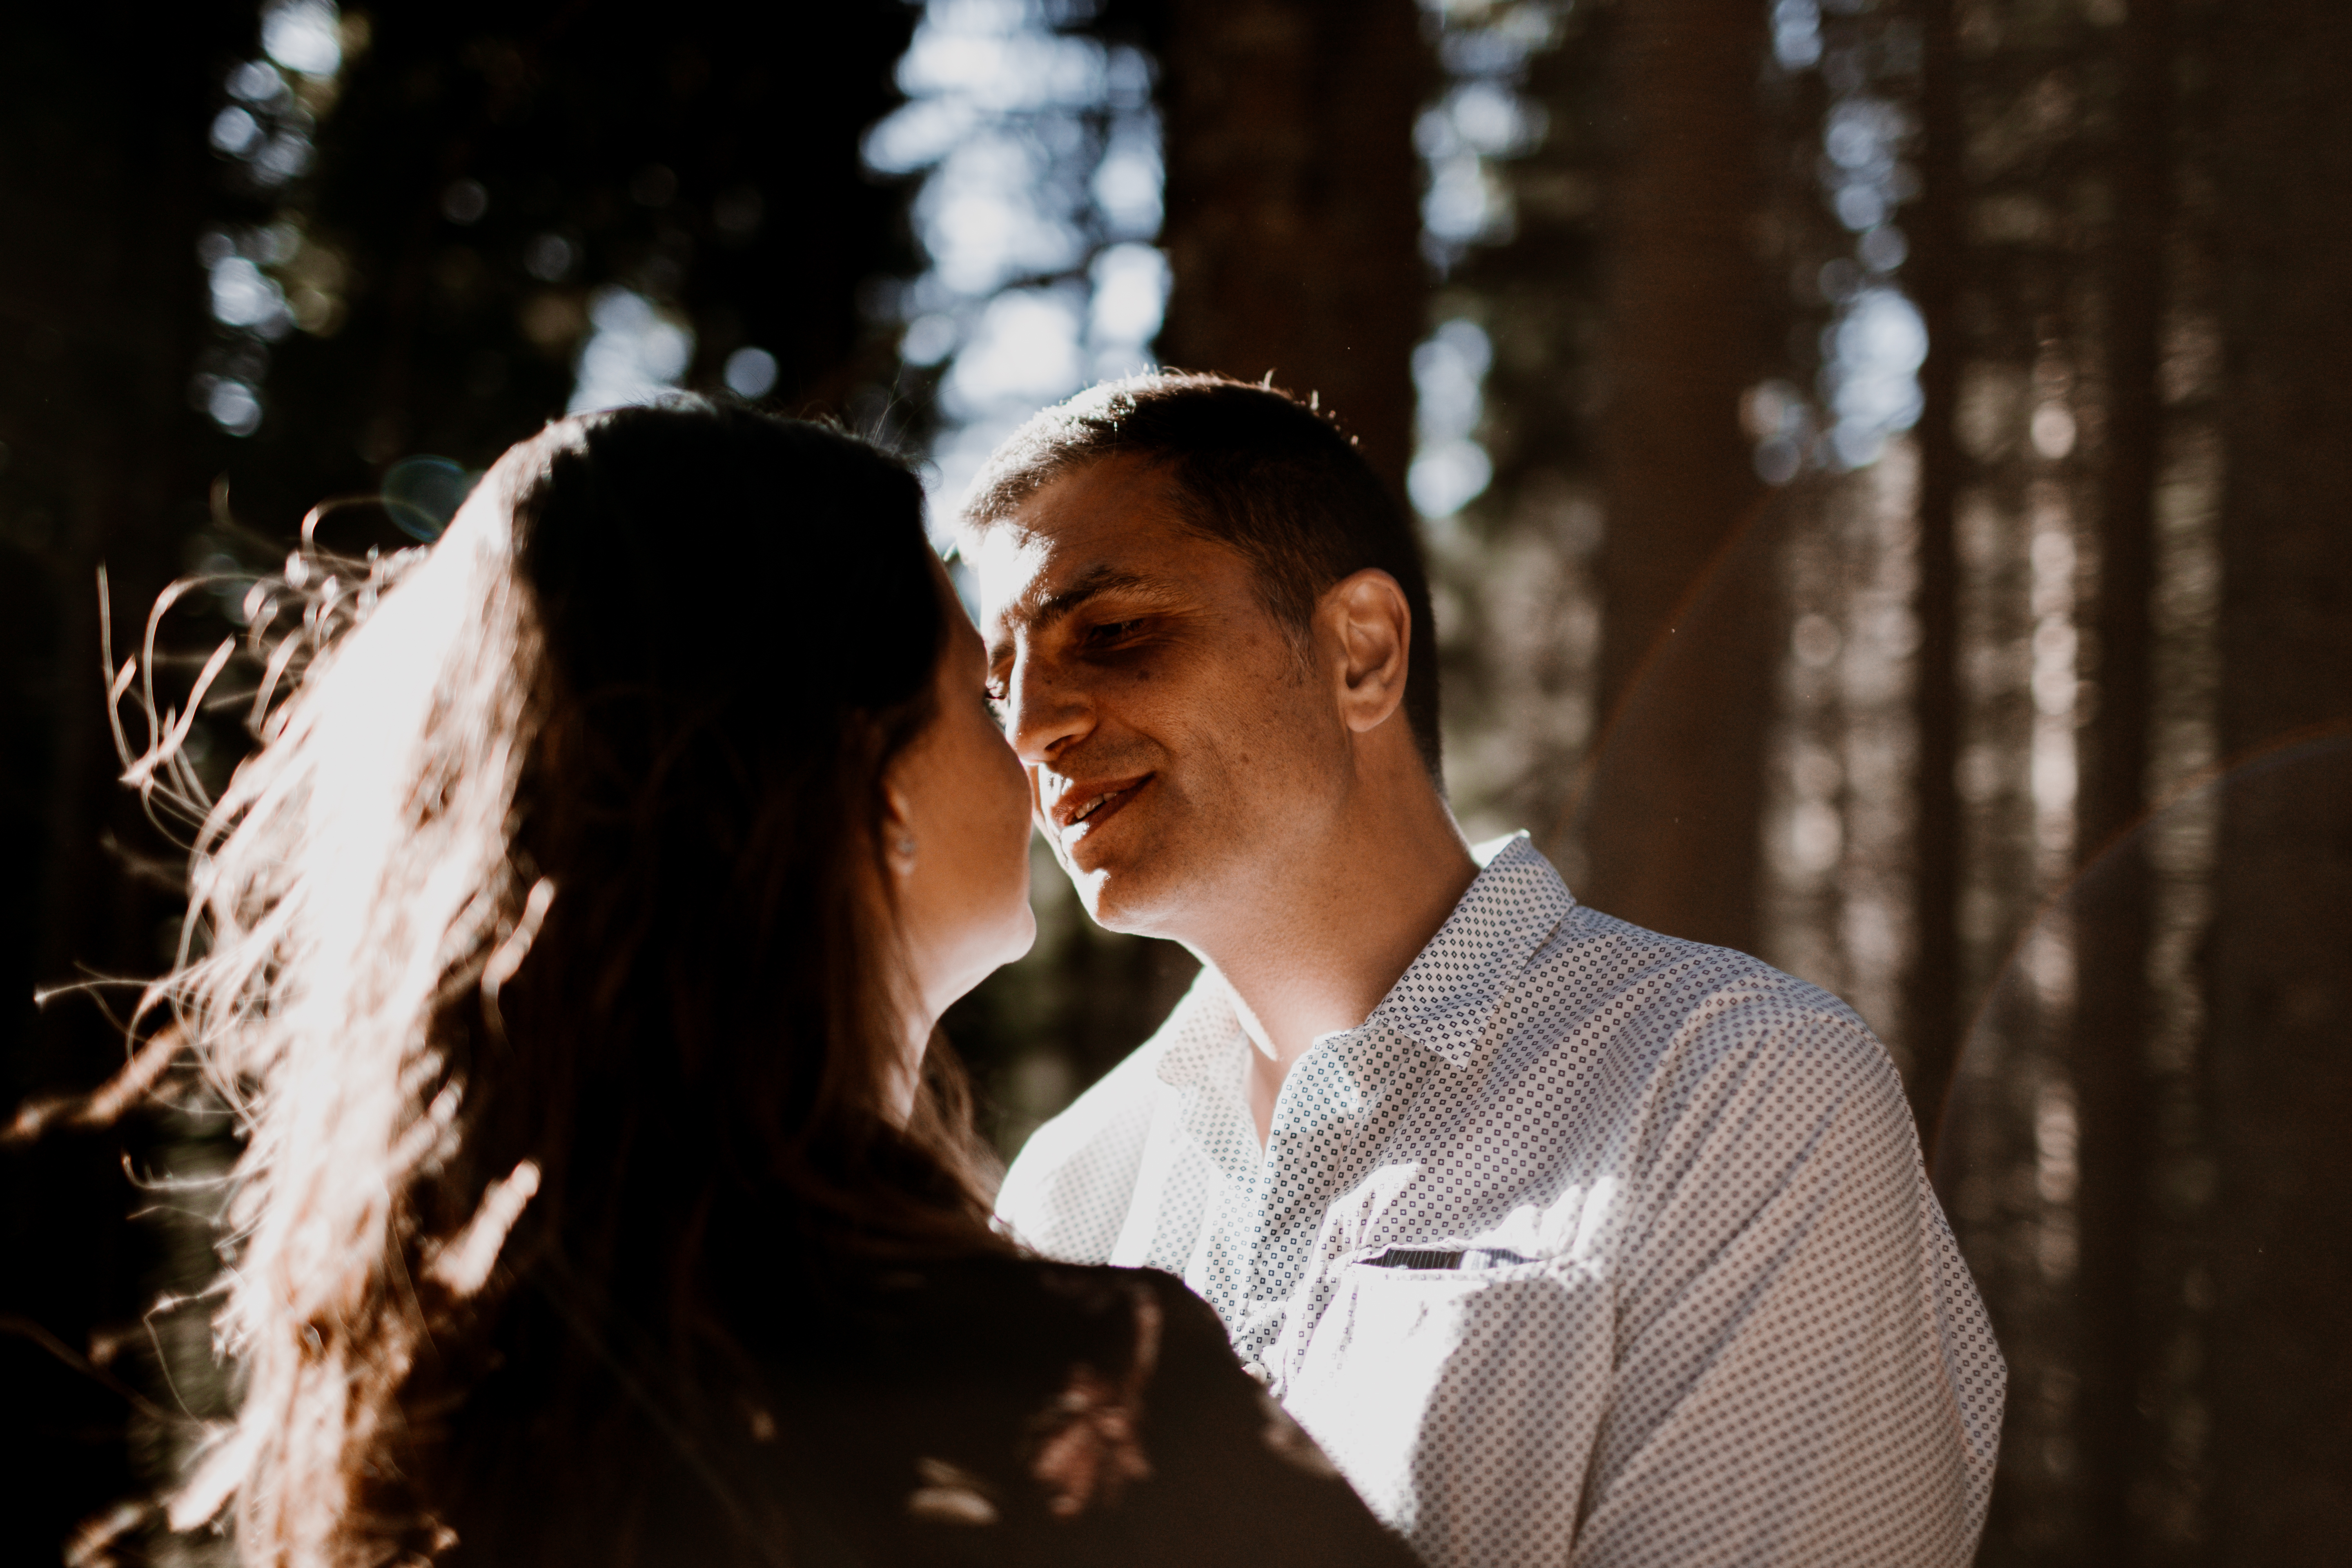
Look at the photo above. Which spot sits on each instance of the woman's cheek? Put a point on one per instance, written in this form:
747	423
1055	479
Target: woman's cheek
1011	787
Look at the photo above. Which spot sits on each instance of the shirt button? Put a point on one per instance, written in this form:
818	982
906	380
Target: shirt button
1257	1369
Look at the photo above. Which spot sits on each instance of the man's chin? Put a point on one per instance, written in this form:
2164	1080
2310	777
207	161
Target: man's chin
1118	898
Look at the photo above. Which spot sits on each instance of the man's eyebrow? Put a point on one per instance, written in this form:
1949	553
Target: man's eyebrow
1088	583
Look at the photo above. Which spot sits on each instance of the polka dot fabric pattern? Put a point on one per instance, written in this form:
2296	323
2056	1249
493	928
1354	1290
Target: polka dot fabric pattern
1589	1247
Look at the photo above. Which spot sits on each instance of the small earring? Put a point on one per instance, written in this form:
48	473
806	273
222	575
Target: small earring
906	845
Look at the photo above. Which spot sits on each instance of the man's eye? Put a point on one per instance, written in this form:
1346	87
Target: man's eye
1112	631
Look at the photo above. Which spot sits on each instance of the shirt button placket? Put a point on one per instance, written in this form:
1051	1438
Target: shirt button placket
1292	1191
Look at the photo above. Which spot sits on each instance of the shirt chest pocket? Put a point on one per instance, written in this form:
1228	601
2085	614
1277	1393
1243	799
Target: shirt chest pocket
1410	1368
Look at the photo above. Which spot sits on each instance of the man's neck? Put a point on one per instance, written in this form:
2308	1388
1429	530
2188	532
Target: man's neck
1321	945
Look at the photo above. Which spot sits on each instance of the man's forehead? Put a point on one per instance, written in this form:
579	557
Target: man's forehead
1108	525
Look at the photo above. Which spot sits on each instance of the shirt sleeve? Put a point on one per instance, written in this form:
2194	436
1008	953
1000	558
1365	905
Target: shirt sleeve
1805	1374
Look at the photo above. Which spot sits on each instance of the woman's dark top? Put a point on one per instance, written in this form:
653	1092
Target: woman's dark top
1003	1410
984	1410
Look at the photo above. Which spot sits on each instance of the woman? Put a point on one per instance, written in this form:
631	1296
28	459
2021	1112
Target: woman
575	940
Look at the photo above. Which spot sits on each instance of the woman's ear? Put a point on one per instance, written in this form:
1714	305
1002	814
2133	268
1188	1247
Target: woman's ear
899	844
1366	613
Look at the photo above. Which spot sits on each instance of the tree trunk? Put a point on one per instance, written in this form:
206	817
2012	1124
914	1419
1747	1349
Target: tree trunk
2280	1052
1671	818
1931	1023
1293	224
2113	925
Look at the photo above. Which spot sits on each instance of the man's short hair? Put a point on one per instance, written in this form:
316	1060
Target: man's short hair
1254	469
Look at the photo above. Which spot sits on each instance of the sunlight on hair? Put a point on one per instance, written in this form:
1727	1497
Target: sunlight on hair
463	1266
363	895
346	873
215	1480
508	959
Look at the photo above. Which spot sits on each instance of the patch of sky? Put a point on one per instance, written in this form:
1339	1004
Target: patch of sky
1024	347
257	82
998	58
234	131
635	352
749	373
1877	341
1872	373
1868	390
1130	295
245	296
1797	34
1459	138
1450	469
998	208
1864	175
303	35
1480	120
1483	38
265	281
1038	151
233	405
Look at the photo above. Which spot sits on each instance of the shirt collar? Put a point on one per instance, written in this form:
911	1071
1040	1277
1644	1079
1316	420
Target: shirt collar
1201	1032
1447	997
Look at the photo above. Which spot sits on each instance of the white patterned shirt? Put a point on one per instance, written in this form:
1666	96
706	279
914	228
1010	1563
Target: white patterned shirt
1590	1247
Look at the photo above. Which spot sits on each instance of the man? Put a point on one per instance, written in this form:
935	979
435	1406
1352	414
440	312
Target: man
1569	1242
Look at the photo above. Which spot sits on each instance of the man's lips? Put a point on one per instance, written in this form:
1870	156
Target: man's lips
1083	807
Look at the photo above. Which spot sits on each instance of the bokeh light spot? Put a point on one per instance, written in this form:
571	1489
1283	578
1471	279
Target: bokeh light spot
302	36
235	132
422	493
233	407
749	373
637	353
465	201
1450	469
550	257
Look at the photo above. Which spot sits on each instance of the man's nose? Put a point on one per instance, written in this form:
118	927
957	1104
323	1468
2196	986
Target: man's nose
1043	711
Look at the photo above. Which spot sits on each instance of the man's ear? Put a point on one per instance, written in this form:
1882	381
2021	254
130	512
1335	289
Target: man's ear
1365	615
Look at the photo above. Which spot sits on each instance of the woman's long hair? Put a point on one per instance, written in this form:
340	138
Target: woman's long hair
548	952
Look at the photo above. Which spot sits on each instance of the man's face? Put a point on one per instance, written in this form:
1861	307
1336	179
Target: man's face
1178	755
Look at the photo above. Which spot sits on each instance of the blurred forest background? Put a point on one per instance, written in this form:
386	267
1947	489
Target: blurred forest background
1887	465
